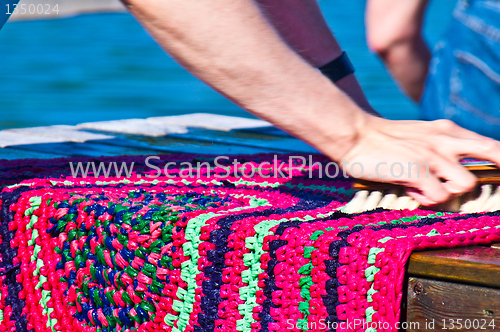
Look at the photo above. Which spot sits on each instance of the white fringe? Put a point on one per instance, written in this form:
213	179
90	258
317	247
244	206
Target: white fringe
487	201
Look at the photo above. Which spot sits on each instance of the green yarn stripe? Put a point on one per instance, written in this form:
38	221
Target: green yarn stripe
372	269
306	281
370	275
46	295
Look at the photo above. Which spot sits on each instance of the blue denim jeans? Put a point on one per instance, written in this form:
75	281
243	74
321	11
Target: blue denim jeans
463	83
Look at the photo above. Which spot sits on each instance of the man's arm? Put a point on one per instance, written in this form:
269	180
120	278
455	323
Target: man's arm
302	25
394	32
230	45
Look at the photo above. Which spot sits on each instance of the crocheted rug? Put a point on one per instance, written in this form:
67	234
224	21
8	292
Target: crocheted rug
205	252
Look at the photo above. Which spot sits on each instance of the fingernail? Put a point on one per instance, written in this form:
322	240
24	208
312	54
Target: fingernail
430	202
451	188
423	199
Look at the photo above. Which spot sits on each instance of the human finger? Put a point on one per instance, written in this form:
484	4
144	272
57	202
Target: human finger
484	149
442	179
450	128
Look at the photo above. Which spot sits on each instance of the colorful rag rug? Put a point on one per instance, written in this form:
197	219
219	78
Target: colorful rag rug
206	252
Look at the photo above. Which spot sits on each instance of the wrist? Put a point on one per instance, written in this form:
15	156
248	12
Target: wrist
317	112
335	141
334	126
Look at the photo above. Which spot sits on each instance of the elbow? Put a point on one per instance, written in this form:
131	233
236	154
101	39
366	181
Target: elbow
130	3
383	41
380	45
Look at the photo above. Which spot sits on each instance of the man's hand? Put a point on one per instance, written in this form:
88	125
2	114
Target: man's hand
424	156
394	32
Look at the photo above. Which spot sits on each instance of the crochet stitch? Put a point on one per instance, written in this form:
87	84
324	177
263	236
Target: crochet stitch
206	253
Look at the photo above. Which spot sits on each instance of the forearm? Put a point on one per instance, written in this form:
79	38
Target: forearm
302	25
394	32
232	47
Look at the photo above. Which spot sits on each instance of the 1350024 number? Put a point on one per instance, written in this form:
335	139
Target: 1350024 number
468	324
40	9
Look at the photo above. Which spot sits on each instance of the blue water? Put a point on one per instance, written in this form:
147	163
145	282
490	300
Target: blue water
105	67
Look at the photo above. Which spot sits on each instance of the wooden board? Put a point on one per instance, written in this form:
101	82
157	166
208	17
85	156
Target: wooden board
248	138
69	133
11	154
10	138
212	121
228	131
142	127
84	149
179	145
266	130
137	145
436	305
470	265
174	134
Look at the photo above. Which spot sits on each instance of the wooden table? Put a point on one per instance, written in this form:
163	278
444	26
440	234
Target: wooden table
450	284
192	133
455	289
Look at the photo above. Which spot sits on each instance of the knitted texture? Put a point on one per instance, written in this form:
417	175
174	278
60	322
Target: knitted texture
204	251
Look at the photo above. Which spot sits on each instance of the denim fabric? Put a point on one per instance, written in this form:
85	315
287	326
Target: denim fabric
463	83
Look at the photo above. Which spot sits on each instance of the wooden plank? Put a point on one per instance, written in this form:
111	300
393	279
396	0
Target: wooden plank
135	126
137	145
157	127
12	153
85	149
245	138
434	305
273	131
211	121
70	133
147	136
178	145
471	265
10	138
